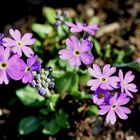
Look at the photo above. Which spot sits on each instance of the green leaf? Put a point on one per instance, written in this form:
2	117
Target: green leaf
96	46
42	29
80	95
67	83
95	20
62	119
134	65
52	101
55	124
84	77
119	55
62	63
45	111
60	31
108	51
51	128
29	96
28	125
92	110
50	14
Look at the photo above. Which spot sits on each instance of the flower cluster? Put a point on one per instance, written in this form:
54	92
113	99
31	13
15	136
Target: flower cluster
12	64
111	92
43	80
79	49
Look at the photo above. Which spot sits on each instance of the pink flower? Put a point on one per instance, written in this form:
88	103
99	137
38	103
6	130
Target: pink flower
33	64
19	44
101	96
77	52
125	83
10	66
79	27
115	107
104	80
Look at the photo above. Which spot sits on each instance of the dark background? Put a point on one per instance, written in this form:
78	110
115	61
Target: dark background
13	10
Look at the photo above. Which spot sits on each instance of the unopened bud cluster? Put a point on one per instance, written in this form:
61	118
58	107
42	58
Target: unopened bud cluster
60	17
43	81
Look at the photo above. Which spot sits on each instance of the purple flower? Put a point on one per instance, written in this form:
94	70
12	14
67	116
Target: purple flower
20	44
10	67
1	39
125	83
33	64
101	96
104	80
115	107
77	52
79	27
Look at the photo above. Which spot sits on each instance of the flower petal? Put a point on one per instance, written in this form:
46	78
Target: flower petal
131	87
85	46
106	86
121	112
28	77
75	61
70	24
1	53
86	58
4	77
34	63
26	36
107	71
91	32
111	117
17	50
26	39
15	34
72	43
96	99
75	42
128	93
129	77
104	110
113	99
76	29
1	76
123	99
8	42
6	54
93	27
94	84
113	81
27	51
95	72
65	54
121	75
16	70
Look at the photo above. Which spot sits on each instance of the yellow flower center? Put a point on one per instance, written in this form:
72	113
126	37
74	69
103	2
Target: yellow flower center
124	84
76	53
3	65
114	106
101	95
27	69
103	79
19	44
